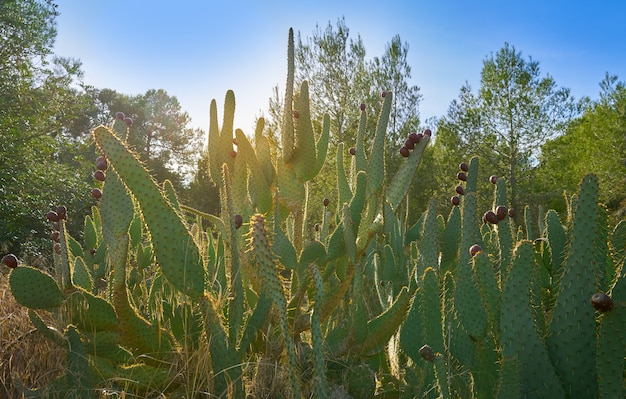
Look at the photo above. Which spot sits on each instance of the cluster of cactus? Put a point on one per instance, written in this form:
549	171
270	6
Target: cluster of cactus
154	302
506	314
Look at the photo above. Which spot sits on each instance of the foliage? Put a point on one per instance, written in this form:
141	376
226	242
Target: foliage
515	111
160	132
594	142
371	306
40	106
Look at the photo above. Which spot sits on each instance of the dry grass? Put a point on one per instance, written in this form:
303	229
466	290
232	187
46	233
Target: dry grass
26	358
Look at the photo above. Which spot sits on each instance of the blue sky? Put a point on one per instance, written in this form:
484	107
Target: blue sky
197	50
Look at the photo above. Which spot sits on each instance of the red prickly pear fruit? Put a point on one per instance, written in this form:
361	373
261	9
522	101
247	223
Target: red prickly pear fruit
238	221
362	107
384	94
96	193
101	163
427	353
57	248
415	137
601	302
233	154
235	142
428	132
10	260
317	227
62	211
55	236
120	116
295	114
409	144
99	175
405	151
129	121
459	190
455	200
463	166
475	250
493	179
352	151
511	213
501	212
52	216
461	176
326	201
491	217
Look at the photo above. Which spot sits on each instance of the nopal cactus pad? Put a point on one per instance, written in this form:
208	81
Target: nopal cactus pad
35	289
175	250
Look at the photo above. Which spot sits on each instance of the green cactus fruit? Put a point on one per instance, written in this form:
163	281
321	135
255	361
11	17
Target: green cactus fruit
179	259
571	338
376	162
401	182
518	336
34	289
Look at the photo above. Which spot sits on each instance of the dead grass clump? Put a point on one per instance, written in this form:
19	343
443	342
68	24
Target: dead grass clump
26	358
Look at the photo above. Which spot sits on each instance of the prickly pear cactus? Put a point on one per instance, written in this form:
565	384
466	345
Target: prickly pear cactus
366	306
